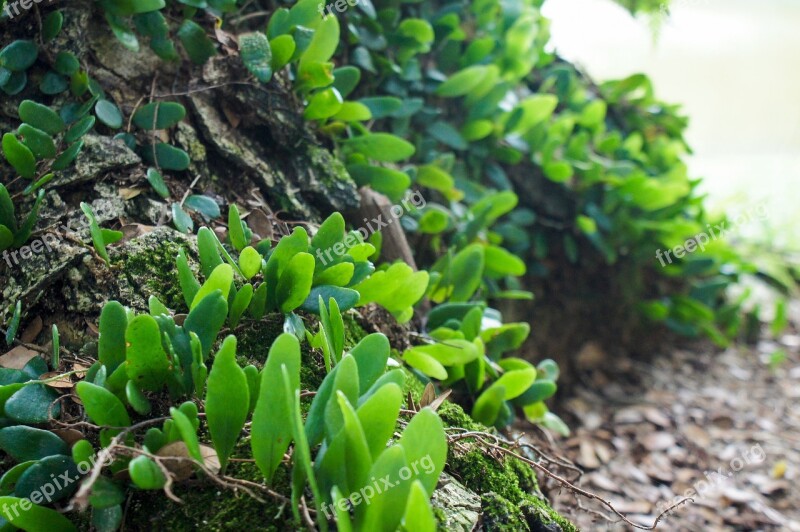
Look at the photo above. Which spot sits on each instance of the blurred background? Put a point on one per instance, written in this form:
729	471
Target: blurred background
734	66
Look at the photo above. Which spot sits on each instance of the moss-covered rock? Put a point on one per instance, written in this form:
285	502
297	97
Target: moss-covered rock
510	496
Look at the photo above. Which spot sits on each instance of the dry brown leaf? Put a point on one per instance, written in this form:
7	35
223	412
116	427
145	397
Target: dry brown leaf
233	119
261	224
591	356
436	403
32	330
129	193
658	441
181	468
588	457
70	436
210	458
135	230
17	357
94	329
428	395
63	382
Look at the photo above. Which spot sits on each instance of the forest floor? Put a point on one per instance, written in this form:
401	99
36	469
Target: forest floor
722	423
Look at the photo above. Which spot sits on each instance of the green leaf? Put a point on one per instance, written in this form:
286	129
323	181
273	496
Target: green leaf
52	84
532	111
31	405
283	48
167	157
295	283
108	113
516	382
187	280
137	399
51	26
540	390
382	106
337	275
204	205
250	262
383	147
146	474
159	115
220	279
346	80
147	363
323	44
36	518
8	480
15	84
66	63
24	231
111	345
500	263
19	55
121	29
183	222
208	251
8	216
378	416
97	234
155	179
6	238
271	430
227	401
67	156
41	117
196	43
131	7
256	55
466	270
240	303
102	406
419	514
19	156
425	363
206	320
487	406
558	171
79	128
43	472
464	81
323	104
353	112
236	232
188	433
371	355
384	513
27	443
106	494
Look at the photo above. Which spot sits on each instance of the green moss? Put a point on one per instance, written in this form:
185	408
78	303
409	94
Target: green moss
208	506
510	496
149	263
